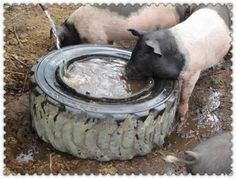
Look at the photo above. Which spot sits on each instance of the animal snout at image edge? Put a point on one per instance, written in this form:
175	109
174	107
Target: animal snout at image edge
213	156
183	51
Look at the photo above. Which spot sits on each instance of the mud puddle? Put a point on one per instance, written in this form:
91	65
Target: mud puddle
204	123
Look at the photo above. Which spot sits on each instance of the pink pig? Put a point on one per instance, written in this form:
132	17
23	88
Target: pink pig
204	39
183	51
107	23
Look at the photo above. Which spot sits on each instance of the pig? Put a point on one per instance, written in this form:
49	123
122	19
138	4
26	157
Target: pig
213	156
183	51
105	24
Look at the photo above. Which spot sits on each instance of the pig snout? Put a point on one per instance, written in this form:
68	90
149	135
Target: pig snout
156	55
212	156
132	73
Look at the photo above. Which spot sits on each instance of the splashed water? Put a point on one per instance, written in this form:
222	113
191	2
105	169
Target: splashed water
54	31
208	120
209	113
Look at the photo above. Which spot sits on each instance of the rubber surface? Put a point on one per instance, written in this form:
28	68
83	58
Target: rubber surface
98	130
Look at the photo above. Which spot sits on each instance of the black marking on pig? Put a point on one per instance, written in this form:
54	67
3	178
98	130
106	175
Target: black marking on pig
68	34
123	10
145	63
182	11
222	10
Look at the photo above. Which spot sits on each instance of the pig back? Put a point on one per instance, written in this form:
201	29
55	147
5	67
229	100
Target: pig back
123	10
204	38
221	9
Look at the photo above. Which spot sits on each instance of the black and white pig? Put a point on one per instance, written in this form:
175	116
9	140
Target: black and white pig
182	51
107	23
213	156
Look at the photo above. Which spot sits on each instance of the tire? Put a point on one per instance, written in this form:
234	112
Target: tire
98	130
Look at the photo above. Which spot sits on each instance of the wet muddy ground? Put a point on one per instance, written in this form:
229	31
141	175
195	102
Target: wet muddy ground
27	39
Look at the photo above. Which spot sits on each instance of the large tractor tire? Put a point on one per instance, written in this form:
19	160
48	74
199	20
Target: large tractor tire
100	130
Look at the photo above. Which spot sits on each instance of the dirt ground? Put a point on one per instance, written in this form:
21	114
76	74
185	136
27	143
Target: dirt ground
27	39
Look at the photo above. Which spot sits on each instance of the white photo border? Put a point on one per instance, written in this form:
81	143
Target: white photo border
2	132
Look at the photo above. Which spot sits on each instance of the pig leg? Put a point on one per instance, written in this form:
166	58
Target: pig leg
187	87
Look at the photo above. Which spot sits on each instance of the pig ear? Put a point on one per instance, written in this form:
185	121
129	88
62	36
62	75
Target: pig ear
155	45
136	32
